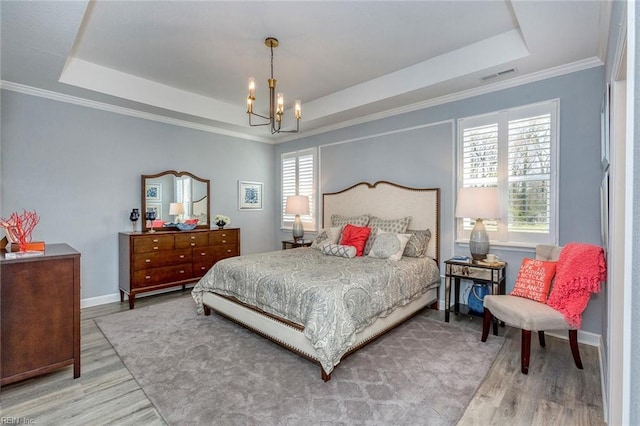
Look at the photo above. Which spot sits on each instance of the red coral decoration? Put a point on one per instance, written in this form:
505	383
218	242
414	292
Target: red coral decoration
20	227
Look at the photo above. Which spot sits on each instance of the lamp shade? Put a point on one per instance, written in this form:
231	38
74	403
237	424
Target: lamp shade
297	204
176	208
478	202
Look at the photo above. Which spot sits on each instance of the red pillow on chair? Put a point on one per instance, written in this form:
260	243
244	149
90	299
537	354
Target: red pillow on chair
534	279
355	236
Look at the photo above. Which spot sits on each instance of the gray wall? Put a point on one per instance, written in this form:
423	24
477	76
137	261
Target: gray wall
426	157
80	168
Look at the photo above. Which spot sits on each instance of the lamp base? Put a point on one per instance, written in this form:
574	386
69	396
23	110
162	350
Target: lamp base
298	229
479	241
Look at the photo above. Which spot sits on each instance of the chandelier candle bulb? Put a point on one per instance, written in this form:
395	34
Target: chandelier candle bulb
298	109
280	109
252	88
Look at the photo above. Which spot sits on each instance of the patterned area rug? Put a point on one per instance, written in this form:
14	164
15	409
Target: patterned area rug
208	370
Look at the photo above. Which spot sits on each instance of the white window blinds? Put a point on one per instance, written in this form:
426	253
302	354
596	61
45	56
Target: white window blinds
516	151
298	178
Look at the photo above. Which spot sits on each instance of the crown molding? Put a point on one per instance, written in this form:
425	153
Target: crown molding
60	97
465	94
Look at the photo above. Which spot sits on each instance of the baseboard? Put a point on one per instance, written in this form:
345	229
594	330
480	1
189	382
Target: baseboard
115	297
100	300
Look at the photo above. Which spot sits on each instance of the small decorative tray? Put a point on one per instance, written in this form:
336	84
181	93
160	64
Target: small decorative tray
185	226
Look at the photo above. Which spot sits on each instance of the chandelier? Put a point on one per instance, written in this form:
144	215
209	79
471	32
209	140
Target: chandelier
276	102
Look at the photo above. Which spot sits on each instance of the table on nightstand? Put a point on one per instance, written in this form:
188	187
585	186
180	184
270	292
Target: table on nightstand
493	274
289	244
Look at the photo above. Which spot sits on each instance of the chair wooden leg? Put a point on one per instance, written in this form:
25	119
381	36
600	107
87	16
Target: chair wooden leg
541	338
486	323
525	351
573	341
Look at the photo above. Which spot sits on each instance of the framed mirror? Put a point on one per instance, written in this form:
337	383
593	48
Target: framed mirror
174	197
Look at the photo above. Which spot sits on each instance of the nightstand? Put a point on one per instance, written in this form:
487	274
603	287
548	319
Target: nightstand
289	244
493	274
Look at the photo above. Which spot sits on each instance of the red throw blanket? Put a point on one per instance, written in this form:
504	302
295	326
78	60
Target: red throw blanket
579	271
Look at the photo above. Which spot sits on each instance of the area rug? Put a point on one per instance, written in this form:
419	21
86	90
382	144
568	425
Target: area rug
208	370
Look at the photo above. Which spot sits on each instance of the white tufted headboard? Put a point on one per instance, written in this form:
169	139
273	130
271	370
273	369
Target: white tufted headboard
389	201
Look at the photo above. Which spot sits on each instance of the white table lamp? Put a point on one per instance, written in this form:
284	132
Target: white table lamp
298	205
478	203
176	209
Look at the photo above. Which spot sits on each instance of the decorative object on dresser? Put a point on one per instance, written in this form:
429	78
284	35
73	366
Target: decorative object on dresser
40	313
159	191
297	205
478	203
150	262
221	220
18	229
133	217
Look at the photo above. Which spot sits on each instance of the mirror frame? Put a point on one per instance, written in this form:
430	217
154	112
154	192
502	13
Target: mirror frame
143	191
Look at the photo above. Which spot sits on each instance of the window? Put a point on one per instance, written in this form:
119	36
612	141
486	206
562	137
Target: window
183	193
516	151
298	178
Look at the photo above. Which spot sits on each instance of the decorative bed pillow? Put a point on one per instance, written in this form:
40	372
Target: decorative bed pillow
339	220
326	236
397	226
338	250
418	243
389	245
355	236
534	279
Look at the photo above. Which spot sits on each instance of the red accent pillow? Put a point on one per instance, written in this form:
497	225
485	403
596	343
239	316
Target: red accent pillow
355	236
534	279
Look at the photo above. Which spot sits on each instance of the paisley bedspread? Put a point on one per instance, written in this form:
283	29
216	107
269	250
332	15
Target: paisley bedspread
331	297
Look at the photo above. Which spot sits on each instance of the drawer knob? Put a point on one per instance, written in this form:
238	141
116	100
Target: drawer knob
228	250
182	272
155	248
224	241
147	277
155	240
203	254
147	260
182	256
193	238
193	244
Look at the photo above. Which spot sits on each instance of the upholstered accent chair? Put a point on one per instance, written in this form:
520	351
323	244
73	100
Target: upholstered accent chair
530	315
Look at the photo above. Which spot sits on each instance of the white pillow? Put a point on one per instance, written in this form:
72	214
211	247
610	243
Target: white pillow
326	236
389	245
338	250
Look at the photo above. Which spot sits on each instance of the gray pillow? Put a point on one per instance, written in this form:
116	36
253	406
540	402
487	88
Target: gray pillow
418	243
396	226
326	236
338	250
339	220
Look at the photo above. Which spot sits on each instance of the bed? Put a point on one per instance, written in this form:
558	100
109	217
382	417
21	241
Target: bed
326	307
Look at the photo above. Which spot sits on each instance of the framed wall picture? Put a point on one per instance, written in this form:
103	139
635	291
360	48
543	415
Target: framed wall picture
250	195
153	192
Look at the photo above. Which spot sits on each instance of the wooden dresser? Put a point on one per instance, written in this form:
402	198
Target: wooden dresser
40	313
153	261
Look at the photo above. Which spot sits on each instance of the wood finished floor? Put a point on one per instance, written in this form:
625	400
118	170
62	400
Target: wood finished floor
554	392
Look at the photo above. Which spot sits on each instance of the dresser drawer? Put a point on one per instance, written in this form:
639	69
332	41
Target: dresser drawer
161	258
153	243
201	268
192	239
223	237
165	274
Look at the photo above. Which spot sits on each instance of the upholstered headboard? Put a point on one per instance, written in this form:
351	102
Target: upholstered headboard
389	201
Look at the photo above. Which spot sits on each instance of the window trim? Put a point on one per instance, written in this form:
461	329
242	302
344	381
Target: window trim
501	236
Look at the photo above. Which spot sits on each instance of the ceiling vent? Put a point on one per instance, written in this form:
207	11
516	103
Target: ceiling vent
498	74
